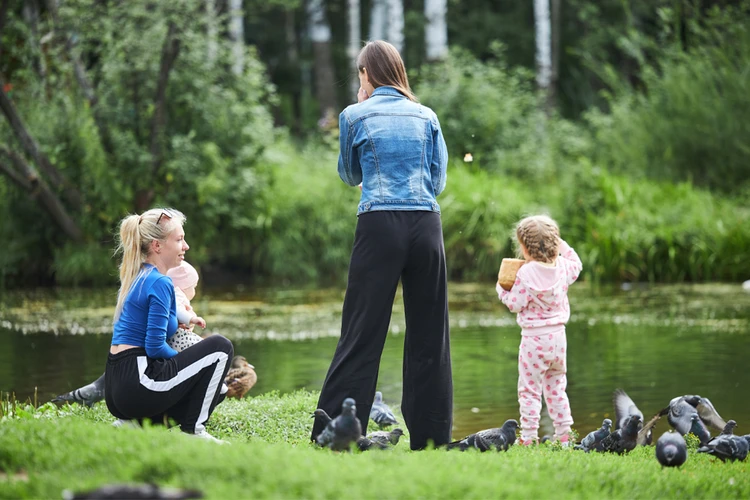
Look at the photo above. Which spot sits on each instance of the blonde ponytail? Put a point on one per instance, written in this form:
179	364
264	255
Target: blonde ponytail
136	234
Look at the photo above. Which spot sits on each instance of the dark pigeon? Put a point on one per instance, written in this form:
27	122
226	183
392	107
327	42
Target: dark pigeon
698	429
86	395
381	413
343	430
680	411
320	414
593	439
671	449
727	447
499	438
380	440
138	491
624	439
729	428
624	409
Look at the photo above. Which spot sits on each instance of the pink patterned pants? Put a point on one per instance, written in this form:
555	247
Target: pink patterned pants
541	371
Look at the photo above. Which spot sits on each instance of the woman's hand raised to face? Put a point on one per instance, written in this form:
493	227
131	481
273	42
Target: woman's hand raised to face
362	95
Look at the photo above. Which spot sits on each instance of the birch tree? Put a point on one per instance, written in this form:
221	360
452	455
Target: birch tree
436	29
395	33
320	36
353	48
543	30
237	34
378	16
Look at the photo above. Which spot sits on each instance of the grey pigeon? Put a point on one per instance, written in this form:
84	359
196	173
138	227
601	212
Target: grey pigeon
727	447
320	414
624	409
593	439
698	429
129	491
343	430
680	410
671	449
86	395
381	413
500	438
380	440
729	428
624	439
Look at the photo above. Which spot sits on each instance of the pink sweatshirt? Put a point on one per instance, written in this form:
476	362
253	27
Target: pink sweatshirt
540	293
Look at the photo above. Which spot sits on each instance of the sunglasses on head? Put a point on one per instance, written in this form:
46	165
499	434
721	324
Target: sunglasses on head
164	214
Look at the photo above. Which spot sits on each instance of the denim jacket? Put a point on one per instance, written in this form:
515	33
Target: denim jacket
395	148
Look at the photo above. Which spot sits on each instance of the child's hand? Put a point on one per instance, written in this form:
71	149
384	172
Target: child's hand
197	320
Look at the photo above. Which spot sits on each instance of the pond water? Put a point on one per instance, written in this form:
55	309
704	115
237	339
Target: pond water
656	342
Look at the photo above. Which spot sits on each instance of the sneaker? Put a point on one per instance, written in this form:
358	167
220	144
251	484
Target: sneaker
564	440
205	435
125	423
224	388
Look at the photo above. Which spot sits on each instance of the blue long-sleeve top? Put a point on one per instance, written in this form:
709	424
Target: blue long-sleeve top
148	314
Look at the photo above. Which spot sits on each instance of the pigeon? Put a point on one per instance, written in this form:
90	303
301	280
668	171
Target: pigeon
500	438
624	408
698	430
624	439
86	395
727	447
381	413
240	378
680	410
121	491
594	439
380	440
343	430
671	449
729	428
321	415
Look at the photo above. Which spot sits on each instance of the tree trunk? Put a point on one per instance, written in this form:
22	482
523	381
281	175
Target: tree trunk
543	49
555	70
436	29
396	23
31	17
212	45
355	35
292	54
378	16
32	149
237	34
169	52
29	180
320	35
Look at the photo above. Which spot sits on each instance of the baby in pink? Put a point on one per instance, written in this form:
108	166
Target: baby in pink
185	278
540	298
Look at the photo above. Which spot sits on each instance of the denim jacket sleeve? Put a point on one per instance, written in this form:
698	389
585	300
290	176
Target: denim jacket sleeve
350	170
439	164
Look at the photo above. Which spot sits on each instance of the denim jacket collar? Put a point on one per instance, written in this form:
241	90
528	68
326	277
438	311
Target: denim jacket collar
387	90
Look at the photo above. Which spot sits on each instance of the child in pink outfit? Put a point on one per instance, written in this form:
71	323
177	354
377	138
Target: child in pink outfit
185	278
540	298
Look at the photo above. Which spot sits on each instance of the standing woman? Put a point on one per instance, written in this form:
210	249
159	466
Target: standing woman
145	378
395	148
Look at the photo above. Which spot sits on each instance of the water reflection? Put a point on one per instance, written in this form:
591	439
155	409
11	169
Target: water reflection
655	342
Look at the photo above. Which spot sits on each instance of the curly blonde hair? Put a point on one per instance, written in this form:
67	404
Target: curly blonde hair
539	234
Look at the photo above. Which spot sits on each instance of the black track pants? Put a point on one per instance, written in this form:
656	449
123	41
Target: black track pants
185	388
389	246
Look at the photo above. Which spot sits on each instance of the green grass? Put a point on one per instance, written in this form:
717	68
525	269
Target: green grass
45	451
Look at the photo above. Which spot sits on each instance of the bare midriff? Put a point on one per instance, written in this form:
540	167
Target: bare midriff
121	347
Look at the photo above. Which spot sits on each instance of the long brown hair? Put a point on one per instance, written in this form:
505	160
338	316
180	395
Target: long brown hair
385	67
136	234
539	234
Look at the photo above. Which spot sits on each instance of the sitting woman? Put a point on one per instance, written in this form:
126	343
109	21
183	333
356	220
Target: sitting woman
145	378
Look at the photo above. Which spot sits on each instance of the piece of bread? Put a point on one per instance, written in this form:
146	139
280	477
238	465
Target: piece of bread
507	274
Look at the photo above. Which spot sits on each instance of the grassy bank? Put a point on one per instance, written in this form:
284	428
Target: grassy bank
45	451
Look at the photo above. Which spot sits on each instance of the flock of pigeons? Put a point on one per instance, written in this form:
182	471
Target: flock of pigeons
690	414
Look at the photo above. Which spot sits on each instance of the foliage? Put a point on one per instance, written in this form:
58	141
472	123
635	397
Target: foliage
271	457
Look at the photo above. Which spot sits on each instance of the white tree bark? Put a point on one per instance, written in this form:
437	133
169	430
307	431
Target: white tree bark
237	34
378	13
436	29
355	35
543	43
320	36
320	31
212	32
395	27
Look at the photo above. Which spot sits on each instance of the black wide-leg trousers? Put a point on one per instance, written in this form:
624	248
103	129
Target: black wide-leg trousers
388	246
